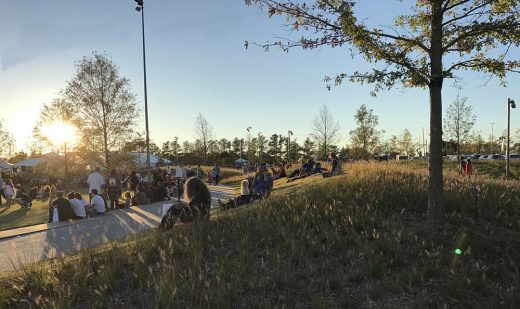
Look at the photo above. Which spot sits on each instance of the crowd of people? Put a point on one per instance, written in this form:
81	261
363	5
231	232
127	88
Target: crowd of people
117	191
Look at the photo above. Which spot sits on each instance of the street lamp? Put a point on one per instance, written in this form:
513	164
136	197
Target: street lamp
289	133
60	133
510	104
140	8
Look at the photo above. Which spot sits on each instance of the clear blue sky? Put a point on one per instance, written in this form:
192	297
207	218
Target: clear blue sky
197	63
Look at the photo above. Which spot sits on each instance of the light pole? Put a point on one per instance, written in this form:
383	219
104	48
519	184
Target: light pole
510	104
289	133
491	145
140	8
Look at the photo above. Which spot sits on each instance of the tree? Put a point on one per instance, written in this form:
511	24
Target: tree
421	49
274	146
204	133
58	111
308	147
6	141
365	137
103	105
405	143
324	131
459	120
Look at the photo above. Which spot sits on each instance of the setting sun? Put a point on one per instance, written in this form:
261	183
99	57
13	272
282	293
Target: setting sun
59	132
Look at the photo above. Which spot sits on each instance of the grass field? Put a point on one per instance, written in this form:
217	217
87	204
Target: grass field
359	240
16	216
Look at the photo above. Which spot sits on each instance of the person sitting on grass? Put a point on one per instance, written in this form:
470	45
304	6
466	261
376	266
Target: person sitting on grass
336	166
22	198
64	207
97	203
262	182
33	193
304	171
77	206
199	202
140	197
280	173
244	198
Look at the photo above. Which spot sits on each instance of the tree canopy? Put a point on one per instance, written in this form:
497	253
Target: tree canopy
421	48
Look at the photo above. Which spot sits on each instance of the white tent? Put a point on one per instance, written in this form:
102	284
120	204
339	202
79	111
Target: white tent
31	162
241	160
140	158
5	166
35	161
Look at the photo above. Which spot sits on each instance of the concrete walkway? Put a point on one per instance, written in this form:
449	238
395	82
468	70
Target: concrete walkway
45	241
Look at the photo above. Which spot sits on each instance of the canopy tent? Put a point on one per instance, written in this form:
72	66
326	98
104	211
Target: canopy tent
241	160
140	158
5	166
35	161
31	162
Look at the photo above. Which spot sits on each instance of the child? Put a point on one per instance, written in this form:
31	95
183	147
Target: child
9	193
468	168
128	199
244	198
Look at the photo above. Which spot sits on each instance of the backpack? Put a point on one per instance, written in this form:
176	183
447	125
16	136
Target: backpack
175	212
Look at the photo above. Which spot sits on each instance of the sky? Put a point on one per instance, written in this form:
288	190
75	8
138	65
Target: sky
197	63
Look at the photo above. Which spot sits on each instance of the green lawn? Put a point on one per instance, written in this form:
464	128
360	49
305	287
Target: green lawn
16	216
359	240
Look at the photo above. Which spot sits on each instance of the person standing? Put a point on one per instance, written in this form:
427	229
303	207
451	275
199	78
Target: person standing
52	197
217	173
1	188
468	168
462	167
114	189
95	181
64	207
8	190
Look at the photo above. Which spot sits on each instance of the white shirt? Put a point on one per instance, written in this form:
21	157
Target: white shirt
95	181
78	207
180	172
8	190
98	203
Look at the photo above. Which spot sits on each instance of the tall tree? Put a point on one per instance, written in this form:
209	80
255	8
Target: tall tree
422	48
6	142
365	137
204	133
325	131
308	147
103	104
405	143
274	147
459	120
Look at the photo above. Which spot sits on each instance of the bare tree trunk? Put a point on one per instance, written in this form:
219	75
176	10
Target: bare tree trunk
435	186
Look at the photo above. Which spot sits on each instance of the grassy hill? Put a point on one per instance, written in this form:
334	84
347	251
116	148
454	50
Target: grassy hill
359	240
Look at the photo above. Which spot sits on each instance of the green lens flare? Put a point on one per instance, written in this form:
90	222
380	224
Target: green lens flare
458	251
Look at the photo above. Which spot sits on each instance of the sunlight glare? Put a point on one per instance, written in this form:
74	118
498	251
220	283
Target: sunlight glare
59	132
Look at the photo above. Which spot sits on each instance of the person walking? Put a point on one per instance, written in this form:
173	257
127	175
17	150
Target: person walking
462	167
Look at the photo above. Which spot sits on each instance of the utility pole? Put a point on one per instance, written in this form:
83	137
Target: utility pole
423	144
510	104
